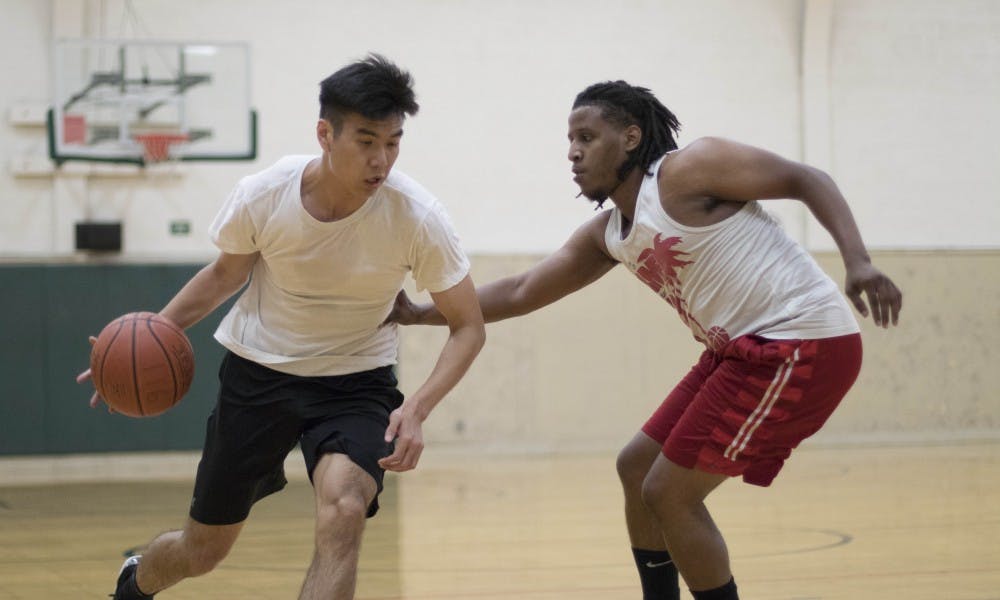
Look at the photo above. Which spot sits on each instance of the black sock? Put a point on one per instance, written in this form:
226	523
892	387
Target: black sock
725	592
657	574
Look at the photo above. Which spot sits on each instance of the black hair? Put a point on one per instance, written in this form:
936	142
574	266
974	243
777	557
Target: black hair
373	87
623	105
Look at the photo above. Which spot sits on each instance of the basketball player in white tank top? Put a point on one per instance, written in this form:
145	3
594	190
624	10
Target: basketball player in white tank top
689	226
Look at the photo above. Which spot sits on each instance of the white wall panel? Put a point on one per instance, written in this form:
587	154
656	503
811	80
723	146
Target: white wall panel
916	86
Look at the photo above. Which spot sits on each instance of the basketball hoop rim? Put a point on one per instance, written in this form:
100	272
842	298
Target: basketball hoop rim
156	145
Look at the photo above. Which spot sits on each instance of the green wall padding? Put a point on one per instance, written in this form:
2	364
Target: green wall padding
48	312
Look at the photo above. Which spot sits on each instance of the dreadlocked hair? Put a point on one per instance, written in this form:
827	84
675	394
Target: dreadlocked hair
623	105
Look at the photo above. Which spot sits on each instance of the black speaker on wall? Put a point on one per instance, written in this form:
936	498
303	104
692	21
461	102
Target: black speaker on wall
101	237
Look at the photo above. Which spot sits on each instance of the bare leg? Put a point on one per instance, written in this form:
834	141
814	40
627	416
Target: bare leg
676	495
190	552
343	493
634	462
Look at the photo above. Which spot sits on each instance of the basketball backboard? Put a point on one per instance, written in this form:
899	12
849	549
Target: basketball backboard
135	101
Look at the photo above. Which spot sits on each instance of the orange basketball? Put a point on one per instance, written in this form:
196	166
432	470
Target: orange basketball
142	364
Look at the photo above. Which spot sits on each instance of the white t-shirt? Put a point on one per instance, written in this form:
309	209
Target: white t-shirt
740	276
320	291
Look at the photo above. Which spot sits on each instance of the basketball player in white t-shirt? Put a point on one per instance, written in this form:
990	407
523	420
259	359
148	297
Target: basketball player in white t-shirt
782	346
325	242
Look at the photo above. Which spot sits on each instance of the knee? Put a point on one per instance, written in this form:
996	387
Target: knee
658	496
340	519
633	465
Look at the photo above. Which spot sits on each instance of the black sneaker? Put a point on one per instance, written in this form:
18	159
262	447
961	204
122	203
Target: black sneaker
126	588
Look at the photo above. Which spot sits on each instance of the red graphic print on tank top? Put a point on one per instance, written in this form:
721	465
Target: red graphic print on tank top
659	267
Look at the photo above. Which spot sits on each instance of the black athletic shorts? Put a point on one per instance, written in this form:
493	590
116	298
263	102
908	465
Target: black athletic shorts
262	413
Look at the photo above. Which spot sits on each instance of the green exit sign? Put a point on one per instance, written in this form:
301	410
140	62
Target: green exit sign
180	227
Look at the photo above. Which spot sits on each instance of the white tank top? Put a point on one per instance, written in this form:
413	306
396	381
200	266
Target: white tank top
740	276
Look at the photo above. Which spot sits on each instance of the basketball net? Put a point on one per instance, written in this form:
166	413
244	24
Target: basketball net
156	146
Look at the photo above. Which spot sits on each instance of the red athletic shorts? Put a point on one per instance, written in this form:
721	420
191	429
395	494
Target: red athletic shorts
742	410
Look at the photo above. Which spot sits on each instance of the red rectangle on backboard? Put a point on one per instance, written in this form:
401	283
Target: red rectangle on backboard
74	129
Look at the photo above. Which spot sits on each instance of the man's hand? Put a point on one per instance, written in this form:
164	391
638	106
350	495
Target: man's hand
884	297
404	311
406	428
86	376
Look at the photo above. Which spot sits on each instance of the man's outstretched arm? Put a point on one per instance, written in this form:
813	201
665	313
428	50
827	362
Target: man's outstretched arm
582	260
460	310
